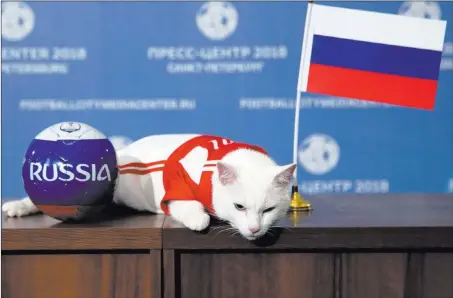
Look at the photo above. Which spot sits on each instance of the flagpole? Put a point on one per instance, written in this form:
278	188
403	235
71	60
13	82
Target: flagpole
297	202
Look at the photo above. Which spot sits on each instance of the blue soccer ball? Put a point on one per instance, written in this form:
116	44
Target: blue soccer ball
70	170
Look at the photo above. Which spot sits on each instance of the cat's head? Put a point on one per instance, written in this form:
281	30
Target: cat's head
252	200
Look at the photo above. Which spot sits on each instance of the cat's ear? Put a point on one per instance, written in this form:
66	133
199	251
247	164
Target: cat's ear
227	174
285	175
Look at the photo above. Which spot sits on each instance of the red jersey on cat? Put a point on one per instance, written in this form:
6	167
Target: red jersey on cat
177	182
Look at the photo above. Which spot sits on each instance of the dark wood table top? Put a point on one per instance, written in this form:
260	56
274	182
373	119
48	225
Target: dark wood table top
337	222
349	221
120	228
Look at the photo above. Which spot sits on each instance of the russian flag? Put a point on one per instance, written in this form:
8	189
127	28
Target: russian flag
371	56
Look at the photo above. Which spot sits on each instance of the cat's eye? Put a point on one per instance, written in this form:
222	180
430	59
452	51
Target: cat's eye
239	207
269	209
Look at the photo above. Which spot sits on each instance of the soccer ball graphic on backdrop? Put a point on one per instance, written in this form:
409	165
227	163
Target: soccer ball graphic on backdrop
217	20
18	20
319	154
69	171
421	9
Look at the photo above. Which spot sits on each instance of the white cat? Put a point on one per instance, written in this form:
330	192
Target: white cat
190	176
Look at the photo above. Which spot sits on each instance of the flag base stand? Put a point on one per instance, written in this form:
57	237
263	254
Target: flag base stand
298	203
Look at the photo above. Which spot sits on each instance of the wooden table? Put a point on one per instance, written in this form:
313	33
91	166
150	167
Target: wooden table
350	246
119	256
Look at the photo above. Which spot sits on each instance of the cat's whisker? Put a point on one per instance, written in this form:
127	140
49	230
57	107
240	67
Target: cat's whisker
235	233
232	232
223	227
226	229
219	231
216	228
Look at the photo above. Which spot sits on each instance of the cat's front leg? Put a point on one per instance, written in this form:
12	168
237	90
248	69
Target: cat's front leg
20	208
190	213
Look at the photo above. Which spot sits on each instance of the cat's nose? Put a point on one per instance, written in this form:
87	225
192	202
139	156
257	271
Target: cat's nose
254	229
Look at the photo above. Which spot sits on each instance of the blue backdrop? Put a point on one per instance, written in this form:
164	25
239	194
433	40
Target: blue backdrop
131	69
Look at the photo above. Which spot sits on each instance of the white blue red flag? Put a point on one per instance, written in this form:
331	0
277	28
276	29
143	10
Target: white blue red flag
371	56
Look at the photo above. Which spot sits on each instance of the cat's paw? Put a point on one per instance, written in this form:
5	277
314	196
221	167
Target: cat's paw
197	221
19	208
190	213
